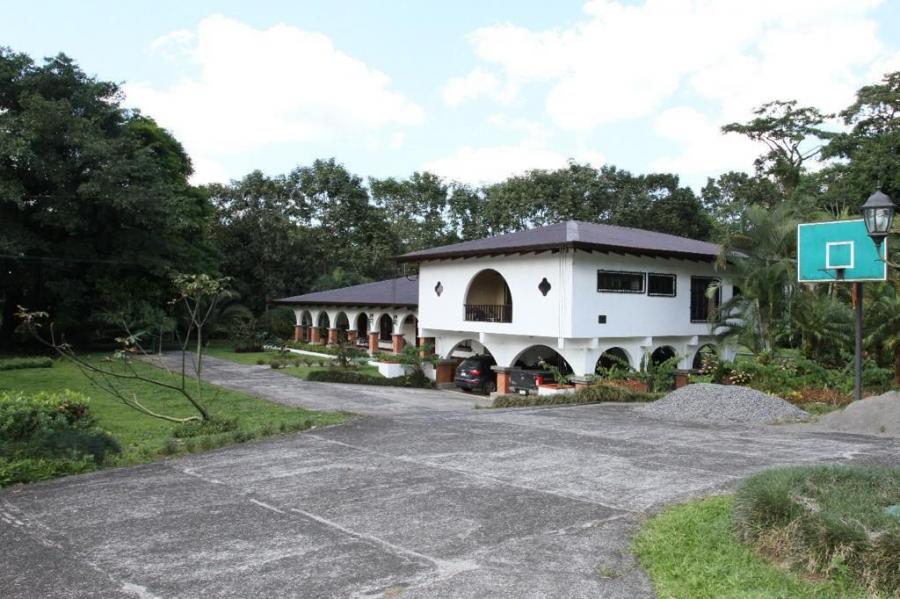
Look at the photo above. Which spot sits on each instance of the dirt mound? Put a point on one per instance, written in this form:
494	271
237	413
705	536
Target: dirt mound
878	415
705	402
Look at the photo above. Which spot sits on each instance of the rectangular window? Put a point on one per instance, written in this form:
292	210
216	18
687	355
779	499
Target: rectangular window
620	282
702	306
660	285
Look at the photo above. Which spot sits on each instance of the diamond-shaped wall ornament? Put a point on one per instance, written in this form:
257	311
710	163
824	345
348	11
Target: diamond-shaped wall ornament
439	289
544	286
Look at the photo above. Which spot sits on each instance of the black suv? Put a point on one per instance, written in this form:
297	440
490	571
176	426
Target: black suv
475	373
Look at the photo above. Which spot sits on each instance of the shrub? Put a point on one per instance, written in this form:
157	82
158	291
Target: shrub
26	470
829	520
596	393
357	378
22	363
49	434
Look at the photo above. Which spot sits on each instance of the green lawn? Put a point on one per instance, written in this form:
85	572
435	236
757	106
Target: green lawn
226	352
692	551
144	438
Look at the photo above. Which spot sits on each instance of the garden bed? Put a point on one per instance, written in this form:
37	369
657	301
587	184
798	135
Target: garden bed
596	393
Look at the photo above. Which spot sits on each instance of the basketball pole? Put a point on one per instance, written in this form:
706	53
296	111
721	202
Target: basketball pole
857	358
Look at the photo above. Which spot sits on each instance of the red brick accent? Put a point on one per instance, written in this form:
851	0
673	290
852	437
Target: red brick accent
332	336
397	343
503	382
682	379
352	336
580	384
298	332
315	336
429	341
373	342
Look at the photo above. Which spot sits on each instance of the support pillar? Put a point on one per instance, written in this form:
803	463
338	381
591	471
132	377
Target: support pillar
581	382
682	378
332	336
373	342
397	343
352	336
315	336
298	332
444	372
503	379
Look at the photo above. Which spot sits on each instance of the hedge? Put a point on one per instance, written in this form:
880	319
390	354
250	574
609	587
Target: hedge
596	393
22	363
336	375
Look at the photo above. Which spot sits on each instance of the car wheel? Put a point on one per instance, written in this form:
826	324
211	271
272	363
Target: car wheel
489	387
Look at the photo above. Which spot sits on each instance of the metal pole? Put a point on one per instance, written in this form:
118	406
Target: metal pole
857	375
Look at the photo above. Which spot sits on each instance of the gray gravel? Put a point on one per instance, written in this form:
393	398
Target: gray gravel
705	402
872	416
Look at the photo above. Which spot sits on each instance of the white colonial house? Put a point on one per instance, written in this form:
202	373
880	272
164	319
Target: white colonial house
580	290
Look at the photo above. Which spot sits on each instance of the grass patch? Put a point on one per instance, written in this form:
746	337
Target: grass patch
360	377
692	551
596	393
826	521
144	438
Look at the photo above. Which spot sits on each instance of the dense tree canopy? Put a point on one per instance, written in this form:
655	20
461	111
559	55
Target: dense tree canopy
95	207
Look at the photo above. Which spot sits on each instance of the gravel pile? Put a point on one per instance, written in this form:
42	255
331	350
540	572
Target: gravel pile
874	416
704	402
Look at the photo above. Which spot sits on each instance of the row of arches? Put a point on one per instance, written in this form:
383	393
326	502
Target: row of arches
362	323
531	356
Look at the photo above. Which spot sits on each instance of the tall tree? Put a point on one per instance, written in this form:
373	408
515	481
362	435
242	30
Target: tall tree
95	206
416	209
258	229
792	135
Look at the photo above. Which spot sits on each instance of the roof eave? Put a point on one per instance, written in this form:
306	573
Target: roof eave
581	245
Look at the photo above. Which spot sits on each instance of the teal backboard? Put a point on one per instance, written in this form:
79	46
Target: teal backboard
844	246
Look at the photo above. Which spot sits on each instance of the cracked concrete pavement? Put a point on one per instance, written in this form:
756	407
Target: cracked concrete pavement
424	497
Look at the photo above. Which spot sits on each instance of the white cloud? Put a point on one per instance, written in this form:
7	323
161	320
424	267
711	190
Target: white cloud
490	164
624	61
705	151
475	84
256	87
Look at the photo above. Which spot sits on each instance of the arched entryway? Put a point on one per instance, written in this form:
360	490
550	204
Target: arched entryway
708	349
362	328
323	324
385	327
488	298
532	357
409	328
615	358
467	348
342	324
661	354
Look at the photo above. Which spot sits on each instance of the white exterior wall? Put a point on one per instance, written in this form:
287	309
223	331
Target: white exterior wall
532	313
566	319
637	314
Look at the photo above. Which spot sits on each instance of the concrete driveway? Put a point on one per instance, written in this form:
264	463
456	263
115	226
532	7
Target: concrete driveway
425	498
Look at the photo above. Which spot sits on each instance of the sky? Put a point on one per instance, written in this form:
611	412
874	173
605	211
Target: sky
474	91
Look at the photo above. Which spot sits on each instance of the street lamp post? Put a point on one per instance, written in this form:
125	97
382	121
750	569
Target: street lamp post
878	214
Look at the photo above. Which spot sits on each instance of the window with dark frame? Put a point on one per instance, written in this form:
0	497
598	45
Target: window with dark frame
612	281
702	306
661	285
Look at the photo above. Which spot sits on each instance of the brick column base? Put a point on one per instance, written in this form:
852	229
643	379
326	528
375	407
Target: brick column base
503	379
423	342
315	335
397	343
298	333
682	378
352	336
444	371
373	342
332	336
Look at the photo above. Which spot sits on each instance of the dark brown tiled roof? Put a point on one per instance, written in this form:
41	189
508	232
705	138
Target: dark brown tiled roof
579	235
393	292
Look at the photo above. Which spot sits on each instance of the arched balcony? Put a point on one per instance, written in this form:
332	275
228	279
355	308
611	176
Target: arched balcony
488	298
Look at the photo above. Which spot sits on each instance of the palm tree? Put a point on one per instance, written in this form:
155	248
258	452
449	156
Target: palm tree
883	321
759	262
823	323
